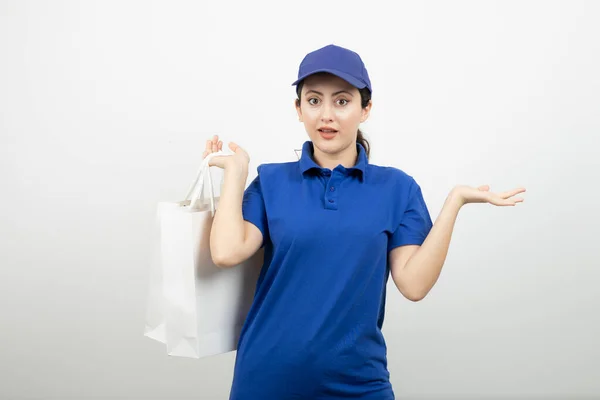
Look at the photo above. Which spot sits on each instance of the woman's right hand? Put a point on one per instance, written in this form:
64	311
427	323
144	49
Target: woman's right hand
239	158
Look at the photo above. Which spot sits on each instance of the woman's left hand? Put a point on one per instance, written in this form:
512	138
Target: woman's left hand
482	194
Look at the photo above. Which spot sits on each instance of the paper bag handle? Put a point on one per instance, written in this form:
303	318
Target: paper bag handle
196	190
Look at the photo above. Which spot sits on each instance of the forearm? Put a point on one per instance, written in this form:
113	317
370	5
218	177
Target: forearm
423	268
227	232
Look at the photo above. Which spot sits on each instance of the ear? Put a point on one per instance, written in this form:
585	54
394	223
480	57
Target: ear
298	109
366	111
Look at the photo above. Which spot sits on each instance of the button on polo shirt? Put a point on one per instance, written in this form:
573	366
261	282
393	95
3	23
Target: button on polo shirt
314	328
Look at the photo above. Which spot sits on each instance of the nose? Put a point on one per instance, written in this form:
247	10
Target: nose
326	112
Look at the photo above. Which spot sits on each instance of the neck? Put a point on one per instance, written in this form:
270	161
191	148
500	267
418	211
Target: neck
346	157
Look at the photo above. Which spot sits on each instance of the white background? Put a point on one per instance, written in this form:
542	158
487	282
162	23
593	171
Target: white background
104	111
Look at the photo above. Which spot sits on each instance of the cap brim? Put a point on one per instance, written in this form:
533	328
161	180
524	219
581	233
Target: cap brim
348	78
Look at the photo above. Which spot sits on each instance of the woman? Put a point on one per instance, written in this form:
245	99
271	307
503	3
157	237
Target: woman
334	228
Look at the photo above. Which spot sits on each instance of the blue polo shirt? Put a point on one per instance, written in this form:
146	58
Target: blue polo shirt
314	328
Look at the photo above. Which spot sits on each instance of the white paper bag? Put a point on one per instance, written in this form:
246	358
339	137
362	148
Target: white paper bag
194	307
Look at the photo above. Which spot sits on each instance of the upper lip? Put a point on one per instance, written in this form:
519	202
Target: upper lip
327	128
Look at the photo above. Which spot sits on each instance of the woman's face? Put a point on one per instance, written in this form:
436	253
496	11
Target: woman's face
330	103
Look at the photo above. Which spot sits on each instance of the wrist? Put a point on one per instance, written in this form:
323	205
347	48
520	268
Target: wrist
237	171
455	198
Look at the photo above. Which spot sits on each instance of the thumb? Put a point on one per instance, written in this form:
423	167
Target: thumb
235	147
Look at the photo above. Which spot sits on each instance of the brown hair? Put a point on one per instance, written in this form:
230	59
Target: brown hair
365	97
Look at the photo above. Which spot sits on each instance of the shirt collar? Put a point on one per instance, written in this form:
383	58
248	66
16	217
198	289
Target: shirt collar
307	162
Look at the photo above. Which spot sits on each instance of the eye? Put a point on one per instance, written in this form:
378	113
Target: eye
344	100
310	101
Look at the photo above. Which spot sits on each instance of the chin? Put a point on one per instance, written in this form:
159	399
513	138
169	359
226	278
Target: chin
330	146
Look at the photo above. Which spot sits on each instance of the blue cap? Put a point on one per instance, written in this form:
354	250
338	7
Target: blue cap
337	61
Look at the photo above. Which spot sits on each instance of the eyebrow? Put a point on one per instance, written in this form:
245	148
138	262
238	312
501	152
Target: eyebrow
334	94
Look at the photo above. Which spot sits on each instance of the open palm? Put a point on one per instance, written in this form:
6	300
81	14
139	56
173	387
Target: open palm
482	194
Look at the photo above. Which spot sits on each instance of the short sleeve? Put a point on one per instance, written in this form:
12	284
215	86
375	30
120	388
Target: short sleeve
415	223
253	206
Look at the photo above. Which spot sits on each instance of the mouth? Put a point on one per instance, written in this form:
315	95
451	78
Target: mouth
328	133
327	130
